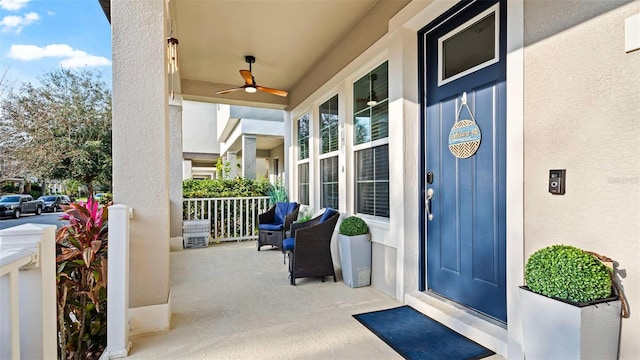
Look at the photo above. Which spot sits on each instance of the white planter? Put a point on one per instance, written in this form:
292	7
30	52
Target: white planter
553	329
355	259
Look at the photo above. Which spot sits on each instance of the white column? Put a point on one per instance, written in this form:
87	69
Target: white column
187	169
232	159
141	147
249	156
36	289
175	166
118	344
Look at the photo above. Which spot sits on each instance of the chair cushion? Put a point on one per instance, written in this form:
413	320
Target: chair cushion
327	214
282	210
287	244
271	227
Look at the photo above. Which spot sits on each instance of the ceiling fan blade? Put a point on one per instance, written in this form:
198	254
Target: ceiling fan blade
272	91
226	91
246	75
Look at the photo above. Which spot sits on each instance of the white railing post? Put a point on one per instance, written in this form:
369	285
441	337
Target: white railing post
118	344
36	287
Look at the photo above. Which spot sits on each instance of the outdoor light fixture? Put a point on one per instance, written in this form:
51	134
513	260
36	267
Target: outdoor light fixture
250	89
172	54
372	103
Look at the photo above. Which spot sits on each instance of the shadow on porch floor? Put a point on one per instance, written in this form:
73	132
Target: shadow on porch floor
230	301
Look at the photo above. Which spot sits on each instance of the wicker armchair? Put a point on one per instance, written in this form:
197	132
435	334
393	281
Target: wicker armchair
310	255
273	223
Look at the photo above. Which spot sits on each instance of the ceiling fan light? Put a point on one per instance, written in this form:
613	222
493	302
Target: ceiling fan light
372	103
250	89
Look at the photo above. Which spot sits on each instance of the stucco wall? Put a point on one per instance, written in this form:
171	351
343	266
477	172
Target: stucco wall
199	121
141	144
276	153
581	111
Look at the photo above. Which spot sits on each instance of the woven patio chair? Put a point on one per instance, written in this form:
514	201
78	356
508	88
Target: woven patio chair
310	255
273	223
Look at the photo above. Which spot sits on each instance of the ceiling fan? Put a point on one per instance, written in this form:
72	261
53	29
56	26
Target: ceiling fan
250	85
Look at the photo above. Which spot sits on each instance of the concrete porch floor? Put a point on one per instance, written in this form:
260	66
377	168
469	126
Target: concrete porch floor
230	301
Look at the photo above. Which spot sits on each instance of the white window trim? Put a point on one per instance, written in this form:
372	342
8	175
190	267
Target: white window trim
371	144
381	220
297	137
299	161
496	51
320	155
368	145
332	154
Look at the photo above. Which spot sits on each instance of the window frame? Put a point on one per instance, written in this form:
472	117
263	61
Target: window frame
371	144
300	183
496	58
307	160
330	154
337	182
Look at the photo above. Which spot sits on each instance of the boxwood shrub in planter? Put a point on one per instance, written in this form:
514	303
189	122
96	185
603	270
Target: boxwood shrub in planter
355	252
353	226
568	308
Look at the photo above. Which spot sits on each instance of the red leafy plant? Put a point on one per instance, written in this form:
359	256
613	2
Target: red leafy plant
81	247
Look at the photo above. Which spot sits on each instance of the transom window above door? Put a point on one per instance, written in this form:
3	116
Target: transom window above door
469	47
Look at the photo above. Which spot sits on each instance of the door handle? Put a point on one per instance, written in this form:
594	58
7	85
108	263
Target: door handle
428	204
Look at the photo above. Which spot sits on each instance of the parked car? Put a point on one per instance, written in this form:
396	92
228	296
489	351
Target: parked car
53	203
16	205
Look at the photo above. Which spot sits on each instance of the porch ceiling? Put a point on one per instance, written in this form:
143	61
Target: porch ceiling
298	44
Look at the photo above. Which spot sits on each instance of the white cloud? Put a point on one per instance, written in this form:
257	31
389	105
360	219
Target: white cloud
16	23
50	13
86	60
71	58
13	5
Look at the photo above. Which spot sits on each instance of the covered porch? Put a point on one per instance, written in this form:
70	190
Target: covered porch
319	51
231	301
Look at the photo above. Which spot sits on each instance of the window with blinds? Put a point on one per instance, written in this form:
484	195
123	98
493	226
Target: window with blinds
303	183
371	114
328	153
372	181
303	137
329	182
370	136
329	126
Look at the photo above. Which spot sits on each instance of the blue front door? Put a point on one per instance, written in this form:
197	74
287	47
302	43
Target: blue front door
464	59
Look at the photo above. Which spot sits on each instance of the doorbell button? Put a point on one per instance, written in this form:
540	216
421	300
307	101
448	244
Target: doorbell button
557	181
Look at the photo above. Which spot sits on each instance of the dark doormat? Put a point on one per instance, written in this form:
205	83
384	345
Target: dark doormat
416	336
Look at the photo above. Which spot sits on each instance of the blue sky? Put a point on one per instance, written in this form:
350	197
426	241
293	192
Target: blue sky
37	36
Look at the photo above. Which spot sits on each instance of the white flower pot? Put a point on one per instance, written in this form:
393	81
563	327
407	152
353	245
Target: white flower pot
553	329
355	259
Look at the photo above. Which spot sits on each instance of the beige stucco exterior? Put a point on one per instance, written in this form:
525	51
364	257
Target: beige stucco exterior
200	127
582	105
573	103
141	143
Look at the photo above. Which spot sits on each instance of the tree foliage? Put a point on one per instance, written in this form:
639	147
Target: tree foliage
60	128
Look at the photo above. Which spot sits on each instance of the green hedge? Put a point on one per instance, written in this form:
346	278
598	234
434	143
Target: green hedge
217	188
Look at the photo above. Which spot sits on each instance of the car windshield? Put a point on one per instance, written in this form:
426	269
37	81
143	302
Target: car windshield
47	198
10	199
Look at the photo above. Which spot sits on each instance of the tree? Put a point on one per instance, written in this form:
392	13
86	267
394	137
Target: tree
60	128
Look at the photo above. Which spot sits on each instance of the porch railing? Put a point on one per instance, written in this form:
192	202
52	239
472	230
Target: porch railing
231	219
28	292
